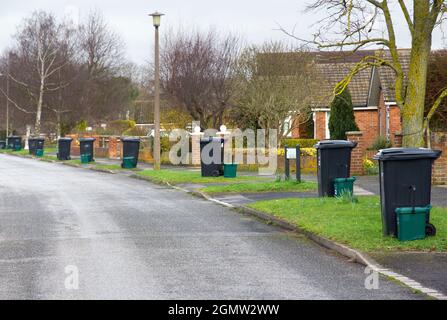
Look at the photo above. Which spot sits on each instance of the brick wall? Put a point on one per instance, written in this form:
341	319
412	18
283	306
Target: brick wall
382	115
357	153
368	123
195	146
397	141
104	146
320	125
395	121
439	142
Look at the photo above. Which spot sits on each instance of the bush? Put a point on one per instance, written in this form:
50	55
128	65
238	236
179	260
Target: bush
311	152
117	127
380	143
81	126
342	118
370	167
135	132
303	143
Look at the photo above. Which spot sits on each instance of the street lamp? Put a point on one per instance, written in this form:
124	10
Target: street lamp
156	16
7	99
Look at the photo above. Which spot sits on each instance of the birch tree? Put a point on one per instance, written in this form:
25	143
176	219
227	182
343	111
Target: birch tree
38	48
355	24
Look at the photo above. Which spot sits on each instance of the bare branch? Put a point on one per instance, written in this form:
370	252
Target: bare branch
407	16
14	103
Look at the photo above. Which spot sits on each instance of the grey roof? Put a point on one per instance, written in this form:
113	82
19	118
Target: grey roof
332	73
333	67
387	75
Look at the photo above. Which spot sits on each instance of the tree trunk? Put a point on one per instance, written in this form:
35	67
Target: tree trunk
58	124
39	108
413	109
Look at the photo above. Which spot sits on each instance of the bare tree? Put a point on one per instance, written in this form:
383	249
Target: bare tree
103	53
38	58
275	83
355	24
103	49
197	70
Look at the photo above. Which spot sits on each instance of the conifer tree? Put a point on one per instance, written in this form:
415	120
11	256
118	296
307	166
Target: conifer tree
342	117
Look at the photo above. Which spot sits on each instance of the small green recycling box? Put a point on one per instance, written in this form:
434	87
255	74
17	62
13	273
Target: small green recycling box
129	163
230	170
85	158
411	222
344	186
39	153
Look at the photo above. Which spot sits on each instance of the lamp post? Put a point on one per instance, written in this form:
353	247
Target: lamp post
156	19
7	99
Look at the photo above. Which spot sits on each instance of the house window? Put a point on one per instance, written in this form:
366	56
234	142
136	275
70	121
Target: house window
328	133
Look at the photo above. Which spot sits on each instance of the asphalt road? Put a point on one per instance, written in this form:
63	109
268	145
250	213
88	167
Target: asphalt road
129	239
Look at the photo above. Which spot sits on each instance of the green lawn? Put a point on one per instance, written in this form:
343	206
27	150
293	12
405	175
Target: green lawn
184	176
270	186
112	167
9	151
50	149
357	225
47	157
74	161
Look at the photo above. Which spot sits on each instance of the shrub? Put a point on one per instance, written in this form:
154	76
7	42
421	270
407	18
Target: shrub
304	143
117	127
380	143
370	167
312	152
81	126
342	118
135	132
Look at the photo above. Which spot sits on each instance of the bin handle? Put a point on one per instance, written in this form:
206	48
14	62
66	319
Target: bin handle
413	197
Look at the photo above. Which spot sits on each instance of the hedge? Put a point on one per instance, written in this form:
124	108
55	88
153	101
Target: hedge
303	143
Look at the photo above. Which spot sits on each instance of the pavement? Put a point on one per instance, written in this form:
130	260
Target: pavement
429	269
124	238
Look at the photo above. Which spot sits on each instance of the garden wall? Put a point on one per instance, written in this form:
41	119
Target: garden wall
109	146
438	142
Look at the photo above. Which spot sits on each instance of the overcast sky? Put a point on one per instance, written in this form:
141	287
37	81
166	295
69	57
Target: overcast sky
254	20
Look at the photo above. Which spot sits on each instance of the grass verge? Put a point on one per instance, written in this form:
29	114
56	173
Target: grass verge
183	176
113	167
357	225
270	186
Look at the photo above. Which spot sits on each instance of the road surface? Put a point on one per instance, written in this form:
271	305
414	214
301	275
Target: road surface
68	233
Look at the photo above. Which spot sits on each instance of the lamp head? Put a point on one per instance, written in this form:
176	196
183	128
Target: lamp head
156	16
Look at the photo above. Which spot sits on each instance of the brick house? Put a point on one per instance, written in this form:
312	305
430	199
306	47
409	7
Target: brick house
372	92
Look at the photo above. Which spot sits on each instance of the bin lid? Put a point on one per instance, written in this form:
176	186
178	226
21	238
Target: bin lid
65	139
86	139
130	139
409	210
335	144
407	154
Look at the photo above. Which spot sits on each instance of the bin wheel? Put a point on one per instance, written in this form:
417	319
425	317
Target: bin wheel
430	230
216	173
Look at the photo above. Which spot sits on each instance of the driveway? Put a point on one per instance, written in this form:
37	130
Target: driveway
128	239
372	184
